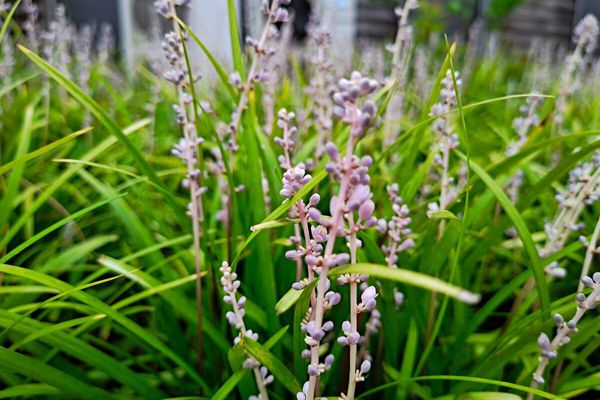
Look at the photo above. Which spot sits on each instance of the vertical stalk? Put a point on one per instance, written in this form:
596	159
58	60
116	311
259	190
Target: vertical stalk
322	285
354	324
190	134
589	255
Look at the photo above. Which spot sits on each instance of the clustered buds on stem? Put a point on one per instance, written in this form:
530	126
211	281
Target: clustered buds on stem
585	35
30	25
565	329
188	147
399	235
274	13
582	189
401	51
231	285
321	86
446	141
354	196
522	125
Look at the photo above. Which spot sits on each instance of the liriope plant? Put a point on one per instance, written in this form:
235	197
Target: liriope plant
313	234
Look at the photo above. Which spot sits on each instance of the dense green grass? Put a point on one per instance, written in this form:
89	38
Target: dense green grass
97	294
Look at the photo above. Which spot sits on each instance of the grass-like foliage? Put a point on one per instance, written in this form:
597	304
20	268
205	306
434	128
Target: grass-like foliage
288	228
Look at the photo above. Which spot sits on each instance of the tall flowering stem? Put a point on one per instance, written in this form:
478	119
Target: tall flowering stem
350	172
294	178
321	86
400	50
30	25
585	35
235	317
583	188
187	148
522	125
446	141
589	255
549	349
274	14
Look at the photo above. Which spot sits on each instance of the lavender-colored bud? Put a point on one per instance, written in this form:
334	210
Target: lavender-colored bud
342	341
371	222
314	214
369	108
360	194
297	286
327	326
329	360
250	363
369	293
557	272
306	354
406	245
370	304
353	338
366	210
366	161
346	327
235	79
281	15
332	151
319	233
342	259
291	254
558	319
544	342
587	281
596	277
311	260
338	112
314	199
365	367
312	370
398	298
334	299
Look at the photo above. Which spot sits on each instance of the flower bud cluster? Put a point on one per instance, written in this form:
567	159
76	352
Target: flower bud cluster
442	126
565	329
346	103
354	196
32	13
522	125
583	188
274	13
525	123
445	142
231	284
585	34
187	149
401	52
399	235
321	86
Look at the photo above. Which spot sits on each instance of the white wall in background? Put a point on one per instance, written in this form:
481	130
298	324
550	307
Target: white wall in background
339	17
207	18
209	21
